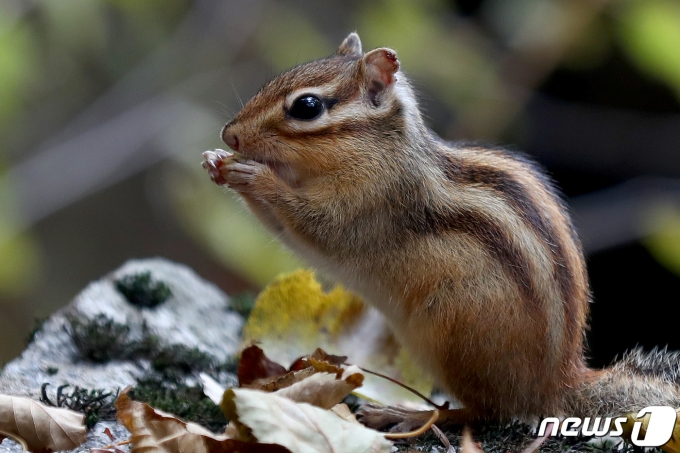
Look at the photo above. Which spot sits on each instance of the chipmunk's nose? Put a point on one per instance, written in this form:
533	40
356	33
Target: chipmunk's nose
230	138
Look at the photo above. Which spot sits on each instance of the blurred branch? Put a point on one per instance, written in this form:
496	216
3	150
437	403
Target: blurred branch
102	155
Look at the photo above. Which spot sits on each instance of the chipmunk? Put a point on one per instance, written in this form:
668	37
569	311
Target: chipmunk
466	250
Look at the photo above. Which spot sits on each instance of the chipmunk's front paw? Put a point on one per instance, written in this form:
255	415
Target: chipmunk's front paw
243	175
216	162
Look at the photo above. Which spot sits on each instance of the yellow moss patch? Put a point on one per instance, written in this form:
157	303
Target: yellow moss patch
295	305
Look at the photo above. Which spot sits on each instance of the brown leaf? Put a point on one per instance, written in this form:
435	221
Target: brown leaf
304	367
322	365
40	427
324	390
321	389
255	367
286	380
154	431
321	356
258	372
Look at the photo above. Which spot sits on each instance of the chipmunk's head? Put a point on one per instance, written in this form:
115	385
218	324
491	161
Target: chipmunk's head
316	116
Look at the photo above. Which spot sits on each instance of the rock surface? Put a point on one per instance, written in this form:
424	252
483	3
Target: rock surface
195	315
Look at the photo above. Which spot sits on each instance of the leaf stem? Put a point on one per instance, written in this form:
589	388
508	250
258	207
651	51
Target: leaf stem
16	438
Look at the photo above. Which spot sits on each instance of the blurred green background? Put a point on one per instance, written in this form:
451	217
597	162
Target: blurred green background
106	106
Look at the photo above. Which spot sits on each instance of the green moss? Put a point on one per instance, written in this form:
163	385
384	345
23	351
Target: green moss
178	360
100	339
95	404
188	403
51	371
142	291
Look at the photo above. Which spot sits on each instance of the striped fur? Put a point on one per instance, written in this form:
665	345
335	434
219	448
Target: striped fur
467	250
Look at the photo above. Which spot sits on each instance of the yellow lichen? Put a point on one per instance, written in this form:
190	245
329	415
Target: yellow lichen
295	305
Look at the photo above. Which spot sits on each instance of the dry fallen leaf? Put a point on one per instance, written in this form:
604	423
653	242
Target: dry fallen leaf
280	382
255	368
301	369
262	422
38	427
319	355
300	427
320	380
324	390
154	431
319	383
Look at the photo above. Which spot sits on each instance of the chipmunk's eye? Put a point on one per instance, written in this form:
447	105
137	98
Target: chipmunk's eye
306	107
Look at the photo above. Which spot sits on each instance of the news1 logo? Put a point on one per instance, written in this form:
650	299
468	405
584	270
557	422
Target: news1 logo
659	427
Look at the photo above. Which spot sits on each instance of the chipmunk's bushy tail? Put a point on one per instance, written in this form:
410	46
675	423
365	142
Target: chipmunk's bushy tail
638	380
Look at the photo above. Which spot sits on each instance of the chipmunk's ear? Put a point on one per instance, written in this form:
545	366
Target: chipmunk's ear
379	67
351	46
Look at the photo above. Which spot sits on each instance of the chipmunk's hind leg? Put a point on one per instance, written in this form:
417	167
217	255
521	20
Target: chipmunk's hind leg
398	419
